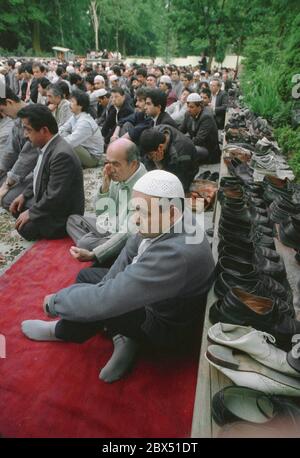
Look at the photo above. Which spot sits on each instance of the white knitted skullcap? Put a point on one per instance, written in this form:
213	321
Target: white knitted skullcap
70	69
160	183
113	78
100	92
99	78
194	97
165	79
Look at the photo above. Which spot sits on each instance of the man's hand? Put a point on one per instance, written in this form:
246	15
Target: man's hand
81	254
46	301
17	204
106	179
22	220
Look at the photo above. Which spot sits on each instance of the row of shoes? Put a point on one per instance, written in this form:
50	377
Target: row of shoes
250	358
251	279
256	134
262	373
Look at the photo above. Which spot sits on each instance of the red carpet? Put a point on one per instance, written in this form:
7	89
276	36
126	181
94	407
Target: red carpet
52	389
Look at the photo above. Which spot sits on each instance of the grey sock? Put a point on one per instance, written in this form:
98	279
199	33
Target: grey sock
40	330
123	357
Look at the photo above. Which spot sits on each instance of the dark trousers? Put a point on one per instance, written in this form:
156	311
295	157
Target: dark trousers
128	325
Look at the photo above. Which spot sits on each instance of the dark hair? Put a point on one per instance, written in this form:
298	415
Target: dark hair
117	70
205	84
158	97
11	63
65	89
90	79
28	68
187	89
60	70
82	99
39	65
9	94
55	89
44	82
141	93
206	91
39	116
150	140
189	76
141	71
119	90
151	74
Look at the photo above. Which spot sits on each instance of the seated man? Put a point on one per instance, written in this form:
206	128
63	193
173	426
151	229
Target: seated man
119	109
201	127
165	85
56	191
178	109
59	106
94	241
82	132
155	292
167	148
156	103
19	157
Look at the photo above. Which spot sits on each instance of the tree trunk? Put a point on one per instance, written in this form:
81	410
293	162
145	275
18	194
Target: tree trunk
95	22
36	38
61	30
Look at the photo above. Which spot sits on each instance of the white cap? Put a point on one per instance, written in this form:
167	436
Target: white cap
100	92
113	78
159	183
202	72
99	78
194	97
70	69
196	74
217	75
165	79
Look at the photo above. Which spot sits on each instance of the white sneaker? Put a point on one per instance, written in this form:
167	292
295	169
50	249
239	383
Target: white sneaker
257	344
245	371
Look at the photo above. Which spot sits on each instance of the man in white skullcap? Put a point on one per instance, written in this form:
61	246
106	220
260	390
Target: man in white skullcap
155	292
200	125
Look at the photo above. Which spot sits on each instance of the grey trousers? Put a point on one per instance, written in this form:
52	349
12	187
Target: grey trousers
82	229
15	191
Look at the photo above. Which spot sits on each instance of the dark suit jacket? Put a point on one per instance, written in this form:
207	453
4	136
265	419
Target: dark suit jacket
203	132
180	156
112	119
59	189
165	118
220	109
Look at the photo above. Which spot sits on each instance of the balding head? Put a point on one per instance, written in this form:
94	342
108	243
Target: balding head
123	157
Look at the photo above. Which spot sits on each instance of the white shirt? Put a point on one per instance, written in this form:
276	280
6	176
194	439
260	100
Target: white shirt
39	162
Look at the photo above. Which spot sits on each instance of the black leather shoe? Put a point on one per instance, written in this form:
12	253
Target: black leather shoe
289	232
264	314
275	187
282	208
237	403
275	269
260	286
241	269
232	239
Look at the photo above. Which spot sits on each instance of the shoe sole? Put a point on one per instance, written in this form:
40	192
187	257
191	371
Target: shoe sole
241	362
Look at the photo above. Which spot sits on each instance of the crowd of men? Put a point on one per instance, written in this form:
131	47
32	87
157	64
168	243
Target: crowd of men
151	127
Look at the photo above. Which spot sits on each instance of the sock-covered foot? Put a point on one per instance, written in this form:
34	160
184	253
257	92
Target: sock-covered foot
123	357
40	330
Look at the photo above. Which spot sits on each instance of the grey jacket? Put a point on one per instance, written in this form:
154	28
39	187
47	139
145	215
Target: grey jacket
19	157
170	279
6	125
82	130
